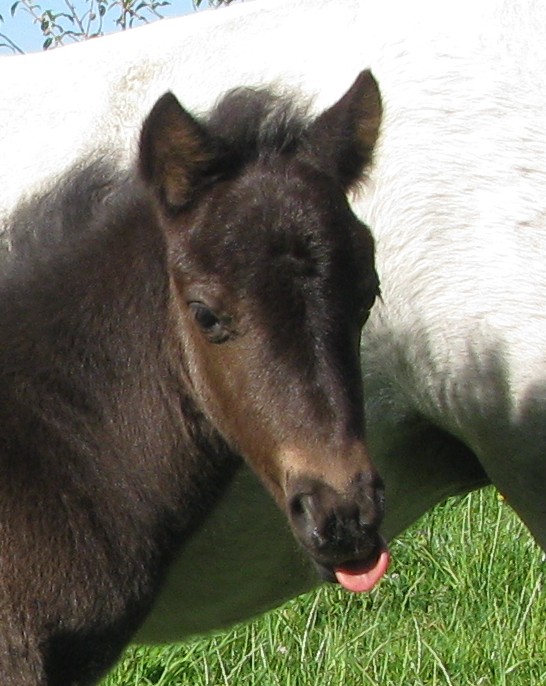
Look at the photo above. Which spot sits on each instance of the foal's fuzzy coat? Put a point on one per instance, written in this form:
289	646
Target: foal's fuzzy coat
128	342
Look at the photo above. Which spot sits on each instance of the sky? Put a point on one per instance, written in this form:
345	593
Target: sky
28	36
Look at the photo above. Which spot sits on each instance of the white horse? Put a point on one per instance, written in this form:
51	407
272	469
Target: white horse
454	356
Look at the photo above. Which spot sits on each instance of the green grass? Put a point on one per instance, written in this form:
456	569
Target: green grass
463	605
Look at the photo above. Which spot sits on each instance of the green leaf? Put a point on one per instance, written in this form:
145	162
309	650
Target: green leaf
14	7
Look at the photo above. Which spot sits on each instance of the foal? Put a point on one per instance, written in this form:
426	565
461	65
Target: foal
157	325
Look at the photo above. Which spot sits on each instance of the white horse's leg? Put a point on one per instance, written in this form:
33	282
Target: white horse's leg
517	467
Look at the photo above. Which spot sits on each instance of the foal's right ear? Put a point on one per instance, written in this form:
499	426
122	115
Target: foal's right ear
176	153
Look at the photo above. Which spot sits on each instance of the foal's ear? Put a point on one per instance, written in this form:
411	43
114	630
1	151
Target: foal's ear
175	152
342	138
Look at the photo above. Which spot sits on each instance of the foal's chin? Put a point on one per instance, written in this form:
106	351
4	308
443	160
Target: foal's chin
358	574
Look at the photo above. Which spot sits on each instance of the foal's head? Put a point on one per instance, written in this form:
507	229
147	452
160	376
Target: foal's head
272	279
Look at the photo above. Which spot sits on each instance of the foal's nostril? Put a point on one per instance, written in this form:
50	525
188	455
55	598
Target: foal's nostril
304	507
297	506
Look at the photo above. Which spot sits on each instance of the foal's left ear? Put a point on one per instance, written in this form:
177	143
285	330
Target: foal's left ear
176	153
342	138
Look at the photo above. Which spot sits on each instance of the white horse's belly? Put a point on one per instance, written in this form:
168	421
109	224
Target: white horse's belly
243	561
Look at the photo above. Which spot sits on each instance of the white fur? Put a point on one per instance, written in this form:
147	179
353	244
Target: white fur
457	202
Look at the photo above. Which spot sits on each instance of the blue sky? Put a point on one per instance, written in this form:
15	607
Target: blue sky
28	36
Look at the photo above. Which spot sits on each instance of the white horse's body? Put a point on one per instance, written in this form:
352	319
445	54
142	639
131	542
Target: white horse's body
454	356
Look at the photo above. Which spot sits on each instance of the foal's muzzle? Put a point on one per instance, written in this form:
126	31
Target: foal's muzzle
340	531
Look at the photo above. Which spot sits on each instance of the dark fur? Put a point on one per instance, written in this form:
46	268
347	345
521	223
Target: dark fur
108	459
106	463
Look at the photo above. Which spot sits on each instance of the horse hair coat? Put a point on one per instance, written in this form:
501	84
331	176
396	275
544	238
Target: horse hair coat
454	354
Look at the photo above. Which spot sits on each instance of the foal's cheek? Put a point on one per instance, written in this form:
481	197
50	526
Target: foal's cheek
236	403
217	383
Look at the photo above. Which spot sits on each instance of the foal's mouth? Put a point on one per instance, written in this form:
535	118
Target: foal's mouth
360	575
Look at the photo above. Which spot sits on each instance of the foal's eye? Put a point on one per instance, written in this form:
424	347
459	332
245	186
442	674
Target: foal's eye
206	318
214	328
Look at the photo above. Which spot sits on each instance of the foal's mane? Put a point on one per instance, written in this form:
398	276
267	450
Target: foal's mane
246	124
252	123
57	218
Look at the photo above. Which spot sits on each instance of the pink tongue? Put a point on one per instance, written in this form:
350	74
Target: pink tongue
364	578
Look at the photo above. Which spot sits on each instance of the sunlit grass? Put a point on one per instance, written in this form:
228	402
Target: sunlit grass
463	605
